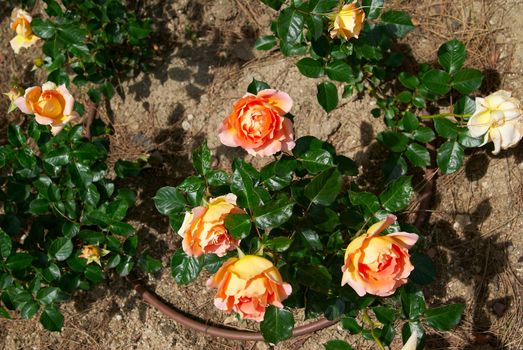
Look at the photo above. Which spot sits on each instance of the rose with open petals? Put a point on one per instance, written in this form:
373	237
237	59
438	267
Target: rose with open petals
257	124
378	264
203	230
21	24
247	286
499	118
50	104
347	22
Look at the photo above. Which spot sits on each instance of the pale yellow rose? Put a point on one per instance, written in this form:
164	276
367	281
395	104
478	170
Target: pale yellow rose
498	118
347	22
21	24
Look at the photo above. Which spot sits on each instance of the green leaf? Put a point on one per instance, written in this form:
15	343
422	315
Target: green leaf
397	23
424	135
316	277
92	237
397	195
395	141
5	244
467	141
409	121
51	318
365	199
408	80
350	324
242	185
317	160
467	80
404	96
15	136
61	248
169	200
217	178
29	310
4	313
384	314
124	168
450	157
339	71
94	273
277	324
436	81
418	155
125	266
324	188
43	28
424	269
446	128
47	295
238	225
310	67
148	264
18	261
337	345
279	244
265	42
275	4
256	86
444	318
327	96
452	55
201	159
289	25
322	6
465	105
372	8
185	268
412	302
273	214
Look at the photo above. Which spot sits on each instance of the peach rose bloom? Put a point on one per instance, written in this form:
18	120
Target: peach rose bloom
21	24
247	286
93	253
257	124
378	264
203	230
50	104
347	22
498	118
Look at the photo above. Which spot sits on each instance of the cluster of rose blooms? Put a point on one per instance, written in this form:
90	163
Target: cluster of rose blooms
247	284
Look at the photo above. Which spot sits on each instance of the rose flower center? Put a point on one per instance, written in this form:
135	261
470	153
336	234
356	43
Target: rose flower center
50	104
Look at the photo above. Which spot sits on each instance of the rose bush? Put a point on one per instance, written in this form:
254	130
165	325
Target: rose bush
247	285
258	125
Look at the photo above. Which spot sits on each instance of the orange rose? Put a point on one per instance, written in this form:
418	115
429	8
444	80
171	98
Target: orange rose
203	229
347	22
247	286
378	264
93	253
21	24
51	105
257	124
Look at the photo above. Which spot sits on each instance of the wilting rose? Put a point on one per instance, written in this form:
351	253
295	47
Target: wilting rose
378	264
258	125
347	22
50	104
93	253
247	286
12	95
203	230
499	118
21	24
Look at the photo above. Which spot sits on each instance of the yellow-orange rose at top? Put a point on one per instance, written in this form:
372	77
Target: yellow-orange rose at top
347	22
377	264
21	24
257	124
50	104
247	286
203	229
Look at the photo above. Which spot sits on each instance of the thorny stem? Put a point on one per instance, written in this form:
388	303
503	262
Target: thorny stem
367	319
443	115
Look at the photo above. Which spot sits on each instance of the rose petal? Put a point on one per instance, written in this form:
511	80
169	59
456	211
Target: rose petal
278	99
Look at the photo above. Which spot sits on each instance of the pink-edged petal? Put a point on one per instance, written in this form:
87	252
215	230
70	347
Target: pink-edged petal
288	132
278	99
357	286
381	225
227	136
268	149
40	119
22	105
407	239
69	99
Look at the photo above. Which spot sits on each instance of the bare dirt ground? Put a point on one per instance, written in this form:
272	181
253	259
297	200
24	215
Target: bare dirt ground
206	61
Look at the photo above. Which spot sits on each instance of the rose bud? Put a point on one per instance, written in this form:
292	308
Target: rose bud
21	24
257	124
203	230
51	105
347	22
93	253
378	264
499	118
247	286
